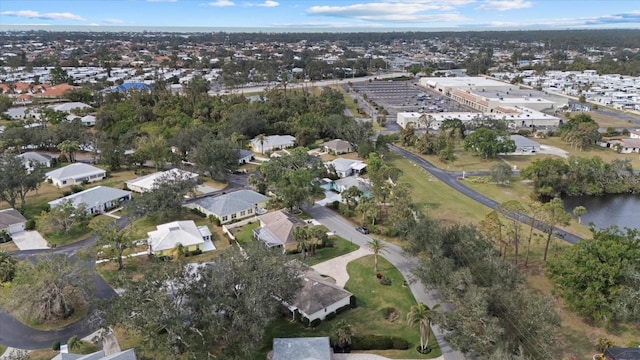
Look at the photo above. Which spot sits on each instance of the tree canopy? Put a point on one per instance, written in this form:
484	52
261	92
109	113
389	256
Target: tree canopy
489	143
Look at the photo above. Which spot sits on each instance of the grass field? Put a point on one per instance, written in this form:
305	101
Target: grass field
369	317
606	154
339	248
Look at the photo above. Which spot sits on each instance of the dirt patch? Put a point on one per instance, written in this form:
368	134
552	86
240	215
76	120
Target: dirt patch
391	314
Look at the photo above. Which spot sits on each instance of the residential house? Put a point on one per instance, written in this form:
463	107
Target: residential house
87	120
12	221
302	348
167	236
99	355
74	174
244	156
319	297
276	229
233	206
623	146
96	200
346	167
616	353
634	133
343	184
338	147
67	107
273	142
30	159
149	182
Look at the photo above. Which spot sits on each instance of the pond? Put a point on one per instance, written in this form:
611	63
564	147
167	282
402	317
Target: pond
607	210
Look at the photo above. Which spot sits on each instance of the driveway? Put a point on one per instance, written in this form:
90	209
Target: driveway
336	268
329	197
29	240
547	149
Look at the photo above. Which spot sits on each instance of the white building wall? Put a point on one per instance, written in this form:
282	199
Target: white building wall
328	310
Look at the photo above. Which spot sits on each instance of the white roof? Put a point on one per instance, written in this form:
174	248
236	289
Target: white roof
167	236
69	106
275	140
150	181
92	197
75	170
342	164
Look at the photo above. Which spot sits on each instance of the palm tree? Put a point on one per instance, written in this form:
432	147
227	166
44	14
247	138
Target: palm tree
69	147
378	247
178	252
316	236
261	138
578	212
421	315
342	332
301	235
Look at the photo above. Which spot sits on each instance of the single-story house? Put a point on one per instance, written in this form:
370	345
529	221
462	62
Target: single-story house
273	142
67	107
338	147
346	167
30	158
634	133
244	156
623	146
233	206
75	173
149	182
524	145
96	200
12	221
622	353
302	348
99	355
319	297
276	229
343	184
87	120
165	238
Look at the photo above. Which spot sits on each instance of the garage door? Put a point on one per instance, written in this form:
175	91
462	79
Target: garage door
16	228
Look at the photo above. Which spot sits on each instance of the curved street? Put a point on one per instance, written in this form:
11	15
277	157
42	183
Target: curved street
451	179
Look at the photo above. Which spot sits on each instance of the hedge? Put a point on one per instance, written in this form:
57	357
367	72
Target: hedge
378	342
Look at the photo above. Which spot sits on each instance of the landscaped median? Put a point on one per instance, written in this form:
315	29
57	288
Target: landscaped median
379	318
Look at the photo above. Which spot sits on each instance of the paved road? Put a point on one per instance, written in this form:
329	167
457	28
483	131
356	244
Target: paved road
404	262
450	178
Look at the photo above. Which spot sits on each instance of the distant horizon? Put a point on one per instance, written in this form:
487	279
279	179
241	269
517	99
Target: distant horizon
240	29
324	15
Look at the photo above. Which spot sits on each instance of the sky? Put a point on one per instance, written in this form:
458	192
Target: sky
326	14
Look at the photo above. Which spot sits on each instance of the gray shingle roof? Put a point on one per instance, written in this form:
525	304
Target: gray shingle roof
36	157
233	202
9	217
317	294
74	170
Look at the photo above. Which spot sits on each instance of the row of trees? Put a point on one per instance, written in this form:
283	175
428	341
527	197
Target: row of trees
576	175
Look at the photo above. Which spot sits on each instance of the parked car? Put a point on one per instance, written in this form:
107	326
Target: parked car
362	230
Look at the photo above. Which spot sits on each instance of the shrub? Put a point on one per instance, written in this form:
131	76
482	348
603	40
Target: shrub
352	301
66	193
304	321
385	281
62	158
343	309
198	213
5	237
55	346
49	181
379	276
215	220
125	187
73	342
315	323
330	316
78	188
335	205
378	342
30	225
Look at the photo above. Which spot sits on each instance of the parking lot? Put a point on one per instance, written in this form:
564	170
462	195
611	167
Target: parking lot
405	96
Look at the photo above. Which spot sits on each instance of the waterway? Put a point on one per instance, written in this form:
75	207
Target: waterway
607	210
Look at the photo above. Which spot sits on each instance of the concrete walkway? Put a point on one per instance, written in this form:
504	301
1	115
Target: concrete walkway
337	267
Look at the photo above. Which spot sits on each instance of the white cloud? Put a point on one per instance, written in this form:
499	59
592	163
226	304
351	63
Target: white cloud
30	14
113	21
221	3
394	11
504	5
269	3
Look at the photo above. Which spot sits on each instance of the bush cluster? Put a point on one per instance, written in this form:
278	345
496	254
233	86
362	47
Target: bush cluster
378	342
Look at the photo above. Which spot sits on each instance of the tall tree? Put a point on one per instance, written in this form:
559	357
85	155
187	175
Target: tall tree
7	267
578	211
515	212
165	200
113	243
50	288
154	148
489	143
342	332
16	181
69	148
421	315
64	217
552	215
501	173
215	157
217	310
598	277
378	247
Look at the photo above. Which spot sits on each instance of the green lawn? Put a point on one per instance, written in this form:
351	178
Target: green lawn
340	247
79	233
244	235
369	316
